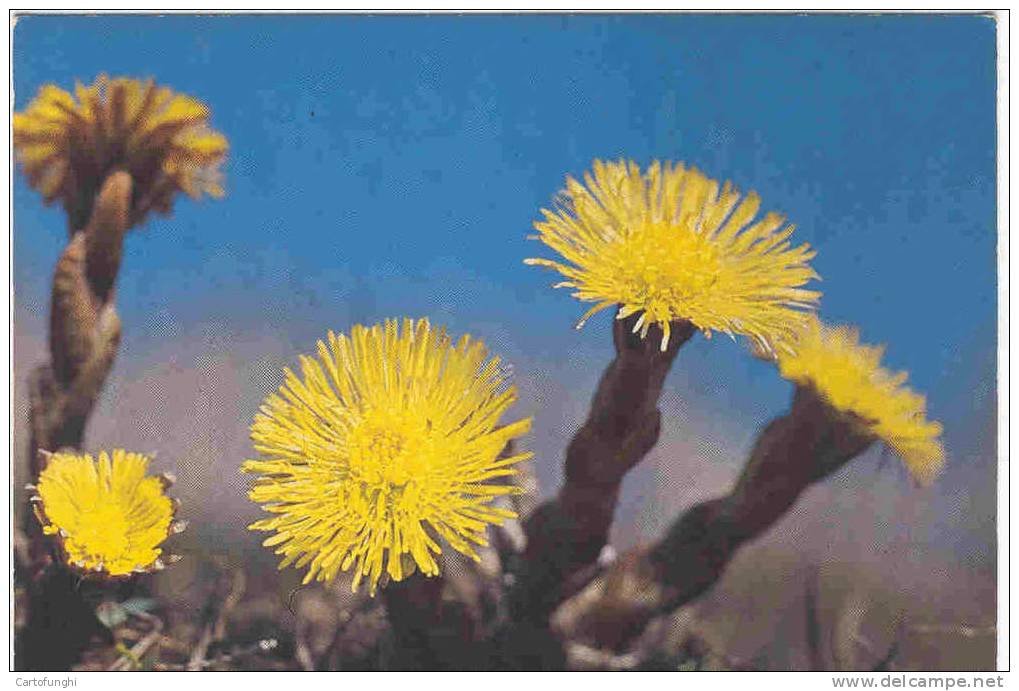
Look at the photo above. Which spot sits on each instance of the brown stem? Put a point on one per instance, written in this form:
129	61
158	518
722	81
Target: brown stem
429	631
84	337
793	452
84	327
566	534
61	623
104	236
440	622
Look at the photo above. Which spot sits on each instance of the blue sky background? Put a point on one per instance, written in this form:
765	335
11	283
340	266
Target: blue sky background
383	166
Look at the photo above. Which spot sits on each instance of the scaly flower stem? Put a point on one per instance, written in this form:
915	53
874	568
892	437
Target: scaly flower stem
793	452
567	533
61	622
84	337
443	622
428	633
84	327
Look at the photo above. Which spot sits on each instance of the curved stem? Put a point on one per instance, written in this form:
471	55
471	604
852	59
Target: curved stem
793	452
566	534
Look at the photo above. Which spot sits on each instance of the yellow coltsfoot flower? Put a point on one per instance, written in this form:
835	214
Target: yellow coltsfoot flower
848	376
670	244
388	443
108	515
68	144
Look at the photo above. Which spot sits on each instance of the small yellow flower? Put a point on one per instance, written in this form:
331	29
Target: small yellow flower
849	376
669	244
109	516
67	145
389	441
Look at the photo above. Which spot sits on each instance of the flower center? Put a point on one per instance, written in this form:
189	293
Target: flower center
385	450
663	264
100	534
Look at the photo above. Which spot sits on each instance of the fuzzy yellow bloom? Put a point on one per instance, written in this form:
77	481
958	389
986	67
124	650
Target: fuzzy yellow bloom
672	245
109	516
68	144
849	376
388	442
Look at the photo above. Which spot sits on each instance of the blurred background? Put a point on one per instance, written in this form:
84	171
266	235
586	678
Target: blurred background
387	166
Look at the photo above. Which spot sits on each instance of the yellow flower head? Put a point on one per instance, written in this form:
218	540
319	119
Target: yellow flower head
67	145
110	517
387	442
849	376
668	243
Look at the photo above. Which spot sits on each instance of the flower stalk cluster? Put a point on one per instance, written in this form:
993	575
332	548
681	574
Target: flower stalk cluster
390	452
670	244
